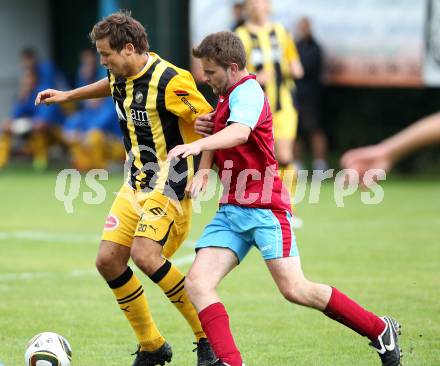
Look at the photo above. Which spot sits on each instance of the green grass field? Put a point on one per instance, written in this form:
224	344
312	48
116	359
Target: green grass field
386	256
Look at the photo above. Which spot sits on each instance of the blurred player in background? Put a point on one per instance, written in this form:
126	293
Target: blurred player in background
388	152
40	127
157	105
272	56
308	98
238	14
92	132
252	215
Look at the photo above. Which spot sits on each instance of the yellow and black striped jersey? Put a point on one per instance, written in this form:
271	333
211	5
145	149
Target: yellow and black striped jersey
271	49
157	109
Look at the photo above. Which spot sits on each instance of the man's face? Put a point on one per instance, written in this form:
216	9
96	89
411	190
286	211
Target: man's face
303	29
257	9
216	76
114	61
29	80
28	62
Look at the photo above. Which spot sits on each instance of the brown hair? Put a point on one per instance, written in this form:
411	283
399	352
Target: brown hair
223	48
121	28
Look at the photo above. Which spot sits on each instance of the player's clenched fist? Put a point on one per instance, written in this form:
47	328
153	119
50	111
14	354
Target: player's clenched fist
204	124
50	96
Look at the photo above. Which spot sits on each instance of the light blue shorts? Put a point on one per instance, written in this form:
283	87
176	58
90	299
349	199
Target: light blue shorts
239	228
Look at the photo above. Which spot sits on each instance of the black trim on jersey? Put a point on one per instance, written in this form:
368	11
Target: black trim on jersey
171	132
122	279
278	72
119	94
143	133
161	272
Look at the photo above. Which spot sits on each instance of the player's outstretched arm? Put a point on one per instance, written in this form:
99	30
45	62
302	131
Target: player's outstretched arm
233	135
199	182
365	158
98	89
386	153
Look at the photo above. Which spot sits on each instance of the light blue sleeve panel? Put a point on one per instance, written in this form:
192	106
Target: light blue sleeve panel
246	103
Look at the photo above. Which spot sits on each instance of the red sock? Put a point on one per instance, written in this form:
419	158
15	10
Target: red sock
344	310
215	323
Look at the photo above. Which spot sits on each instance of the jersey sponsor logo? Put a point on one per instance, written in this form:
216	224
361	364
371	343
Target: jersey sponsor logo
138	97
140	118
182	94
111	223
190	106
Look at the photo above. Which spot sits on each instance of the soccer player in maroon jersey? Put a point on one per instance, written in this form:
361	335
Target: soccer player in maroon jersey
255	210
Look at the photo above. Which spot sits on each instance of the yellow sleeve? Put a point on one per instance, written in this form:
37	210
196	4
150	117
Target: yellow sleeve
184	100
290	49
245	37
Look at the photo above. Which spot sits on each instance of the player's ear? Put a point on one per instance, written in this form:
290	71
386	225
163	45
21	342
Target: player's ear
129	48
234	67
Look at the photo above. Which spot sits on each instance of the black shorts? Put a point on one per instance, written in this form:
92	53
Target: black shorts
308	117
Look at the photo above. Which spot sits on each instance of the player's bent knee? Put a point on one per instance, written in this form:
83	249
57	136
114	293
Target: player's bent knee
190	287
194	285
107	266
290	295
147	255
295	294
110	261
191	283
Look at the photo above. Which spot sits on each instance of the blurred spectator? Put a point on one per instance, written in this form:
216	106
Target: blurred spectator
308	98
92	133
48	74
39	126
272	56
238	14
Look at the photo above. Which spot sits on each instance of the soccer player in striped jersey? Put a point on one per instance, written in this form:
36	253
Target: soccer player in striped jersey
254	211
272	56
157	104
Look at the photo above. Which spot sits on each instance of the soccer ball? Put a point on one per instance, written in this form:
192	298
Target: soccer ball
48	349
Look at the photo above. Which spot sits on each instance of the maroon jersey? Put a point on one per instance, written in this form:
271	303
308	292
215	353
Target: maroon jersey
249	172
